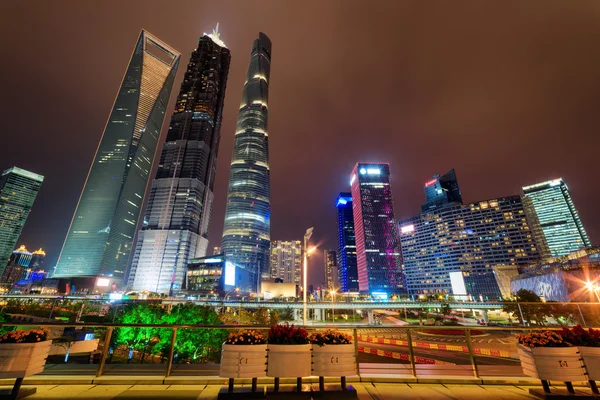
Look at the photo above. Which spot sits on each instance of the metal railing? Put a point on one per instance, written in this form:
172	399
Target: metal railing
411	332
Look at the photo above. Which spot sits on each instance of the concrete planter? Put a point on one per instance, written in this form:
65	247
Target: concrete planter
243	361
333	360
591	360
552	363
18	360
289	360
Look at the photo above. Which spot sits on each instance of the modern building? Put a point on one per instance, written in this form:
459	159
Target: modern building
18	190
37	260
11	275
558	217
377	246
216	250
100	236
453	250
347	268
442	191
247	230
177	216
286	261
331	281
20	256
574	277
216	275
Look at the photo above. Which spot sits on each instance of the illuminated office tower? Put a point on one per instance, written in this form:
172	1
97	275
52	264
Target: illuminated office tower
37	260
442	191
347	269
100	237
177	216
20	256
247	230
558	217
331	270
377	244
286	260
18	190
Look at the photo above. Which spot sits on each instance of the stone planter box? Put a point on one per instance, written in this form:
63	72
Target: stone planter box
591	360
18	360
289	360
552	363
243	361
333	360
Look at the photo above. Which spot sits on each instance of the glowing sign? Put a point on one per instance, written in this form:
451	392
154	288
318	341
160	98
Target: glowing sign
458	283
373	171
103	282
115	296
431	182
362	171
229	274
352	179
555	182
341	201
407	228
212	260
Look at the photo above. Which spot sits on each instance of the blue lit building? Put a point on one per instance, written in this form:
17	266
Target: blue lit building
377	246
558	217
347	269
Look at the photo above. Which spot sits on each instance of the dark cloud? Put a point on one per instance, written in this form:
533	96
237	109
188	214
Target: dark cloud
505	92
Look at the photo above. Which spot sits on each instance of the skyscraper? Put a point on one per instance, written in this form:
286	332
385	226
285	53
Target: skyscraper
247	229
20	256
347	268
377	245
286	260
37	260
442	191
558	217
331	269
175	227
18	190
100	237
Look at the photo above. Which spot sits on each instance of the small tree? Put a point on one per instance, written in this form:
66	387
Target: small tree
139	338
529	312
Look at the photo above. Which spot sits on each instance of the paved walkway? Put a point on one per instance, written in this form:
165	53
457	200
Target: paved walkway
366	391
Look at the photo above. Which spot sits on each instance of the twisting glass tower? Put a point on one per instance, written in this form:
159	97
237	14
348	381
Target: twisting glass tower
247	231
176	221
101	233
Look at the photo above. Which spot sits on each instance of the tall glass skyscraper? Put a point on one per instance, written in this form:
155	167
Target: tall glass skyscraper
377	243
18	190
331	280
247	230
347	269
100	237
177	217
558	217
442	191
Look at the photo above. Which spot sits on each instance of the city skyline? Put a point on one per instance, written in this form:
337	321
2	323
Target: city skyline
490	117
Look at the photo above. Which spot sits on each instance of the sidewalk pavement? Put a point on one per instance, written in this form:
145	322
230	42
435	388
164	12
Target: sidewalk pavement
366	391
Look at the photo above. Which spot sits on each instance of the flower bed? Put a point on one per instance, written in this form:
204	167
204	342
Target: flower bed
23	353
332	354
244	355
289	352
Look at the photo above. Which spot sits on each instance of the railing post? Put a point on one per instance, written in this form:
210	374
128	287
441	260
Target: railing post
580	313
105	349
411	355
521	313
355	334
170	363
471	355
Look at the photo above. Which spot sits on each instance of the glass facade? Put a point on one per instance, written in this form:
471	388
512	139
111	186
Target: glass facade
558	217
442	191
469	240
18	190
247	229
377	245
331	270
286	260
176	221
347	268
101	233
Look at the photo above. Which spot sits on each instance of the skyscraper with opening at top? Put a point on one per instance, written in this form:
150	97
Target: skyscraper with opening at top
101	233
247	230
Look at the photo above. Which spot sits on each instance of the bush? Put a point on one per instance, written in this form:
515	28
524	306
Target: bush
246	337
330	337
287	334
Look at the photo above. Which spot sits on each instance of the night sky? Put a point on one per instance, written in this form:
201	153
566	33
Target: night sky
507	93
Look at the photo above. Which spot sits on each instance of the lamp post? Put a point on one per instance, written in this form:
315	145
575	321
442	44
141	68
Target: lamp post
333	292
307	236
593	288
227	294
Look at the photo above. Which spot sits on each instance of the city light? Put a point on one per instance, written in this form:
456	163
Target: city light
407	228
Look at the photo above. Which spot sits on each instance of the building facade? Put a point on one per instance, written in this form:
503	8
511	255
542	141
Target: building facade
247	230
37	260
216	275
286	260
558	217
331	280
176	221
377	245
453	250
20	256
441	191
100	236
347	268
18	190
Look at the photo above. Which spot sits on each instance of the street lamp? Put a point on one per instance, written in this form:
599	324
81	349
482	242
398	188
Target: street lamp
307	236
227	294
332	292
593	288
